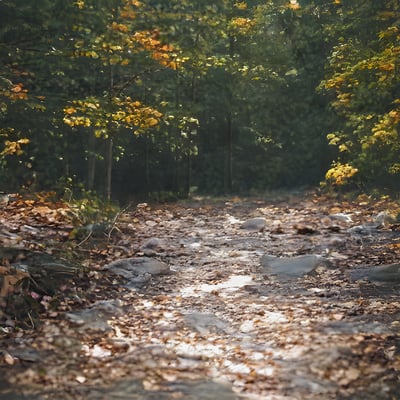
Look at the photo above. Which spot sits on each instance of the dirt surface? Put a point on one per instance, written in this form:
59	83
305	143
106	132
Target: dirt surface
218	326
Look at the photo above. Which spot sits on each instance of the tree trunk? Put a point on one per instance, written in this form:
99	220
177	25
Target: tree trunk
229	155
109	167
91	161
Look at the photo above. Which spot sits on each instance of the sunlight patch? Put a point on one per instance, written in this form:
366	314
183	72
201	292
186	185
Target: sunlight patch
234	283
199	350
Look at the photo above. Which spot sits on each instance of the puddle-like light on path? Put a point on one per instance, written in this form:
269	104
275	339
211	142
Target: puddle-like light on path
234	283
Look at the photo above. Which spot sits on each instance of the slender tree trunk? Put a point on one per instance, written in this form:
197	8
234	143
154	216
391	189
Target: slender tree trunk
109	150
188	174
109	167
229	138
91	161
147	164
229	155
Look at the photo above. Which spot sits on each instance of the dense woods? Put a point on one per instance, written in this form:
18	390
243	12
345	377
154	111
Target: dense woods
136	98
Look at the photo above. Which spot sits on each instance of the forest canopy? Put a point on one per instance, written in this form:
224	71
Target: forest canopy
127	98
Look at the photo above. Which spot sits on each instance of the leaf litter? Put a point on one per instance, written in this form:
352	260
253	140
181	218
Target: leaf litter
224	323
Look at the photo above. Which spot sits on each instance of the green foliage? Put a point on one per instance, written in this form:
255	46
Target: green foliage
88	208
161	96
363	78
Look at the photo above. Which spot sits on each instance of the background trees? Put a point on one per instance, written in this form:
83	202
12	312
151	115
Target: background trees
135	97
363	77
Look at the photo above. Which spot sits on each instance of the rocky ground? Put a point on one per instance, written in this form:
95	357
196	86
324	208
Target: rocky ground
274	298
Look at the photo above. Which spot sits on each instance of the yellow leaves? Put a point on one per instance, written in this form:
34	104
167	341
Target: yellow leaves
343	99
335	82
294	5
242	25
151	121
385	130
69	110
15	92
126	114
387	66
394	169
88	53
343	147
119	27
142	118
14	147
135	3
240	5
92	106
162	53
80	4
119	115
340	173
77	121
333	139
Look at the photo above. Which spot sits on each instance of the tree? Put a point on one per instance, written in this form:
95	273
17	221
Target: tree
364	80
114	49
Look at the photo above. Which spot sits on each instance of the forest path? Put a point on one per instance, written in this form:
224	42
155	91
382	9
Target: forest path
220	326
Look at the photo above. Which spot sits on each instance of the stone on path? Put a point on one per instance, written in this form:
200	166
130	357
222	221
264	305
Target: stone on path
290	267
389	274
138	270
254	224
205	323
132	267
151	246
96	317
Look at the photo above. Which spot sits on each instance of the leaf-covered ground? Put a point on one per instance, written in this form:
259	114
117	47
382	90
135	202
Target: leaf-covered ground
218	326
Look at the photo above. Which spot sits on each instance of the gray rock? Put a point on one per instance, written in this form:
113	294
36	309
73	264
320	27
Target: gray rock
138	271
291	267
385	218
151	246
132	267
48	272
365	229
152	243
387	274
205	323
139	282
254	224
96	317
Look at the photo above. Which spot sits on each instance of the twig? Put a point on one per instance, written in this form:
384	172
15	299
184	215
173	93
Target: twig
115	219
85	239
30	318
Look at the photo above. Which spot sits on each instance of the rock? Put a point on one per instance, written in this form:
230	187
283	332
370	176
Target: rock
47	271
205	323
389	274
291	267
131	267
365	229
151	246
134	389
385	218
254	224
96	317
152	243
138	271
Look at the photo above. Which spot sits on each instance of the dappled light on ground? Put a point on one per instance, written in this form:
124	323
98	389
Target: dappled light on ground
294	298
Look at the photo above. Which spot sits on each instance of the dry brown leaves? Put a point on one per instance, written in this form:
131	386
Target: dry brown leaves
321	337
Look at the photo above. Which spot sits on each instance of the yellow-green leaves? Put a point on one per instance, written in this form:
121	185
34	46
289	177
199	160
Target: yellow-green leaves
340	173
364	81
14	147
121	113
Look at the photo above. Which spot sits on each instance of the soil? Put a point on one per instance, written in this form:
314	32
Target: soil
218	326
